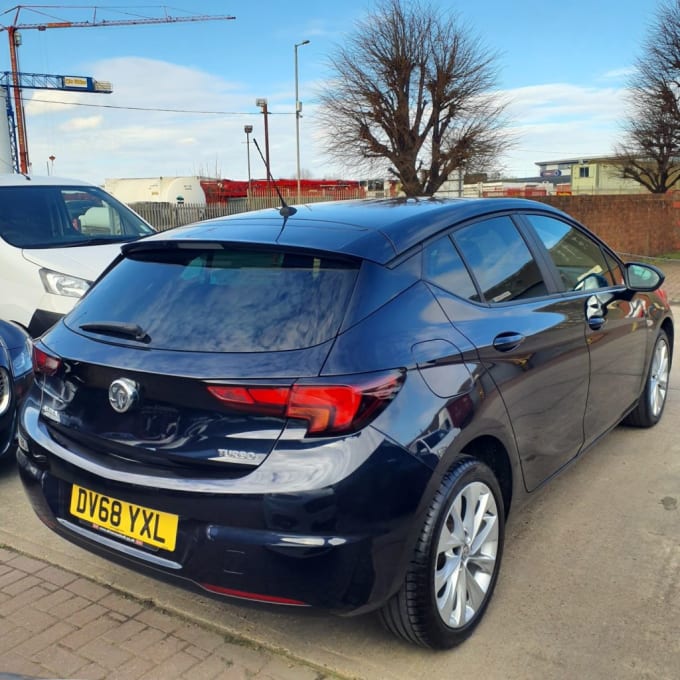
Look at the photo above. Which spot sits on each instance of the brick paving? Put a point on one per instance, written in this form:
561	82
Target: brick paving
56	624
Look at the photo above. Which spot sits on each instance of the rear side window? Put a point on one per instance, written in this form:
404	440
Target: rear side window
224	300
500	261
443	266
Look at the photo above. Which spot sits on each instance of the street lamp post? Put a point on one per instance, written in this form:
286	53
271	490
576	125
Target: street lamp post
262	103
298	109
248	129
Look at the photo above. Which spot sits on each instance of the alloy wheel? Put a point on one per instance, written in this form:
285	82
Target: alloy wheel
466	554
658	377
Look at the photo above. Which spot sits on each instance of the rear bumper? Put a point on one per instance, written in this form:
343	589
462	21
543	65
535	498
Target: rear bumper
342	545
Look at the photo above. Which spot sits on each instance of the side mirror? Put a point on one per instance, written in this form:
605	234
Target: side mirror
643	278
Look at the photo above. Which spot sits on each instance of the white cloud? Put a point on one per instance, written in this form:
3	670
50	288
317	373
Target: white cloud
43	101
78	124
128	142
559	101
553	120
561	120
618	73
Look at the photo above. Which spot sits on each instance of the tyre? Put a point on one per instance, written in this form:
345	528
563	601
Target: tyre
455	564
649	409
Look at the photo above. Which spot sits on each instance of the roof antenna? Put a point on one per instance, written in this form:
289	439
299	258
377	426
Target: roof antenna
285	210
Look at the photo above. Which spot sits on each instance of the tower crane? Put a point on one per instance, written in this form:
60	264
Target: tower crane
15	41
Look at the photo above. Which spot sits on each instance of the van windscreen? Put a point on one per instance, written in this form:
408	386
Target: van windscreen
61	216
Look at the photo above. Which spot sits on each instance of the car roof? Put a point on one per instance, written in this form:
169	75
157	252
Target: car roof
377	230
16	180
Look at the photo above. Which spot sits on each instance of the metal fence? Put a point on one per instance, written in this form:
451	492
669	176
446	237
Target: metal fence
165	216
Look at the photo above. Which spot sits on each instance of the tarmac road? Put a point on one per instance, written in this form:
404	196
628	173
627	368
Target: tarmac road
589	587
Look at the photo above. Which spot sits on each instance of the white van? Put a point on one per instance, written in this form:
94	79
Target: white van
56	237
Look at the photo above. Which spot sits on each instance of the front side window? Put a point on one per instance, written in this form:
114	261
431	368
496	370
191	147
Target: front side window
615	269
500	260
579	259
57	217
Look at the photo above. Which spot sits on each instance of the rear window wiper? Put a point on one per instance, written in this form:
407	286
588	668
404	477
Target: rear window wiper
118	329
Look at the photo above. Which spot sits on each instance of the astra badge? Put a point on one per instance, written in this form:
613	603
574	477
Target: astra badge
123	394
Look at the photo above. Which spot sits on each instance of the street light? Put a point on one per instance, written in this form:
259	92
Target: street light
248	129
298	109
262	103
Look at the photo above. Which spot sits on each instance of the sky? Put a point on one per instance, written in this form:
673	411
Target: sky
562	67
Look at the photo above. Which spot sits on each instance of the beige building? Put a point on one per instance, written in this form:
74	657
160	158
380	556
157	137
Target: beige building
592	175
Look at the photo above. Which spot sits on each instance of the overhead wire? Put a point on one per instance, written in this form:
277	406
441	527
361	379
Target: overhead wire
159	109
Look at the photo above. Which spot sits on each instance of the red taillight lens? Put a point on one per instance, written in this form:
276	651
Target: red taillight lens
329	409
265	400
44	363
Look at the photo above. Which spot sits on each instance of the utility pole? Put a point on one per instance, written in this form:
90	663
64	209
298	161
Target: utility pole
298	110
262	103
15	40
248	130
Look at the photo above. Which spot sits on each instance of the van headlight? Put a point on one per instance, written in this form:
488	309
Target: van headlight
63	284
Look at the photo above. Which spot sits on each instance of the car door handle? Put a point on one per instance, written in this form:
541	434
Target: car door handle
504	342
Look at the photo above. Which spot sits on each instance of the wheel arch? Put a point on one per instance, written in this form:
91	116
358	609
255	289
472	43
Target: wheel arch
491	451
667	325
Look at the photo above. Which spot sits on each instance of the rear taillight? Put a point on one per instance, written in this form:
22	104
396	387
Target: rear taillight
44	363
329	407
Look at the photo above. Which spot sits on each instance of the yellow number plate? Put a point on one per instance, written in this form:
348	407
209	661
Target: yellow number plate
141	524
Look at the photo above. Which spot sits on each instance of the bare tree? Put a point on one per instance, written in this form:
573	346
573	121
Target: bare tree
650	150
411	90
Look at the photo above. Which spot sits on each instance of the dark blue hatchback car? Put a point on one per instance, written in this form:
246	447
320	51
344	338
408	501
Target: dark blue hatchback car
339	408
15	379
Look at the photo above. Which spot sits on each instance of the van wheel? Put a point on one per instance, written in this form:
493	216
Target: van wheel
455	565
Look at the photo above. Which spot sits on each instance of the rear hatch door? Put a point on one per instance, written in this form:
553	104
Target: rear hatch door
141	352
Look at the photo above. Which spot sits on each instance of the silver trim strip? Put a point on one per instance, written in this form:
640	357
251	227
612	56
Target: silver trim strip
119	547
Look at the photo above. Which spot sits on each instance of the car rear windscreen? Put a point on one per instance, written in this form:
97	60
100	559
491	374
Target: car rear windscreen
220	299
